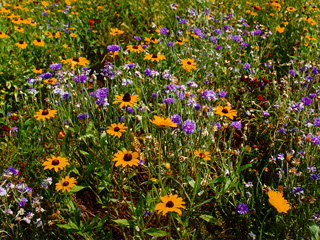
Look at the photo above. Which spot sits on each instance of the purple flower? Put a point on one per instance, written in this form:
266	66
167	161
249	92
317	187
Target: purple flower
292	72
298	190
148	72
55	66
236	38
22	202
246	66
217	31
315	139
3	191
11	170
265	113
171	44
314	176
168	100
197	107
306	101
244	44
315	70
113	48
182	21
83	116
130	110
222	94
316	216
311	169
101	93
236	125
213	39
164	31
217	125
46	75
316	122
189	126
209	95
137	38
242	208
176	118
282	131
257	32
80	79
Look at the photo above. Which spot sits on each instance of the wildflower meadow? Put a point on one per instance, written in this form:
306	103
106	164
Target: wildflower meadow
184	119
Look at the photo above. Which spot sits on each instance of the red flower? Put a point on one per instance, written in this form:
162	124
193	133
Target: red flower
261	98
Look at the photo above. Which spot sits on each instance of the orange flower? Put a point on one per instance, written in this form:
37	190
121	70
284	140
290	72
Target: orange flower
277	200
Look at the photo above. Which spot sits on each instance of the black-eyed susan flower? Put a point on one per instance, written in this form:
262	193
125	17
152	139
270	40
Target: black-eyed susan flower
82	61
51	81
291	9
22	44
65	184
38	42
19	29
277	200
170	203
115	31
37	70
55	163
151	40
163	122
154	57
126	158
126	100
225	111
3	35
73	35
202	154
188	64
116	129
45	114
135	48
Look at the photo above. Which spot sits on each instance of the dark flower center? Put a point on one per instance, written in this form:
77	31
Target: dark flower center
154	56
55	162
127	157
169	204
76	59
45	112
189	63
38	40
135	47
66	183
225	110
126	97
202	155
152	39
38	68
116	129
21	42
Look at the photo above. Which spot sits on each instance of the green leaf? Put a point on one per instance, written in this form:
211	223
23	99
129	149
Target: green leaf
209	218
69	227
124	222
77	188
191	181
315	231
217	180
84	153
244	167
154	232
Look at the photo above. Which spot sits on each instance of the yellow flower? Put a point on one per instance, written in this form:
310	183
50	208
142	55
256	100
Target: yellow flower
280	29
202	154
22	44
225	111
277	200
116	129
151	40
51	81
154	57
188	64
82	61
45	114
3	35
126	100
163	122
170	203
38	42
115	31
126	158
73	35
135	48
291	9
37	70
65	184
55	163
19	29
